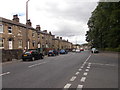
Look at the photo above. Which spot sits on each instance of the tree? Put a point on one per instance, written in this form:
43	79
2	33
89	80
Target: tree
104	26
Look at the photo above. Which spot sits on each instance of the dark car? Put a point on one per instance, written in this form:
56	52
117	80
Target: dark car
53	53
32	55
63	51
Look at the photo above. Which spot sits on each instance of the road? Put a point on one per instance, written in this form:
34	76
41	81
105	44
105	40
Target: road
73	70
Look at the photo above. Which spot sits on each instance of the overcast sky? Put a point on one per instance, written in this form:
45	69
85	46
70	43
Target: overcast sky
66	18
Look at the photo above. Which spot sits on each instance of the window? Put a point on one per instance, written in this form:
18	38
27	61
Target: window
33	43
1	43
33	34
20	44
1	28
9	30
10	42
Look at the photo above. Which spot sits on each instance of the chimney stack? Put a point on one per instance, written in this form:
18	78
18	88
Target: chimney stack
61	38
50	33
15	18
57	37
53	36
38	27
45	31
29	23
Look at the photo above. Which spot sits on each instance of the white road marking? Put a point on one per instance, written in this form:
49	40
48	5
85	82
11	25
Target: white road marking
88	67
83	79
87	70
103	64
88	58
85	74
85	61
89	63
81	66
67	86
80	69
73	78
79	86
5	73
77	73
36	64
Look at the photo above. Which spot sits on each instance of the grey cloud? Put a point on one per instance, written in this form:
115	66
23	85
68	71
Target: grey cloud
79	11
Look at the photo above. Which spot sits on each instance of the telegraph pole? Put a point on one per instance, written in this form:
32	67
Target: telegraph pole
27	25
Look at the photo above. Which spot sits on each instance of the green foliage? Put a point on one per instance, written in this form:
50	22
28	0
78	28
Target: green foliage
104	26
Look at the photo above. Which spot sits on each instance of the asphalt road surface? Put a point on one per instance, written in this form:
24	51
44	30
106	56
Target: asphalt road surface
72	70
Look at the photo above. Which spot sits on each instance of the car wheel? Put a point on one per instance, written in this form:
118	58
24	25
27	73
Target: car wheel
23	59
33	58
42	57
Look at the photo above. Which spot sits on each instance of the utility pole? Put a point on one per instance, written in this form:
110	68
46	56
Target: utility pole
27	25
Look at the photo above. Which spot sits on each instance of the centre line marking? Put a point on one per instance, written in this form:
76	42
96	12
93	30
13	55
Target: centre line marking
73	78
88	67
85	74
87	70
88	58
79	86
83	79
67	86
81	66
36	64
5	73
77	73
80	69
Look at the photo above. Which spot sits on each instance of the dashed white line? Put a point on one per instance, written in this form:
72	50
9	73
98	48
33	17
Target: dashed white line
85	74
89	63
88	67
77	73
80	69
73	78
67	86
36	64
83	79
88	58
81	66
5	73
87	70
79	86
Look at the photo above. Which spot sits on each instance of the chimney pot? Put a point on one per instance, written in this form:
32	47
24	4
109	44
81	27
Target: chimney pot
61	38
57	37
38	27
50	33
29	23
15	18
45	31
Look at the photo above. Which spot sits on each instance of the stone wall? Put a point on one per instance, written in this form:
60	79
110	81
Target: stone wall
9	55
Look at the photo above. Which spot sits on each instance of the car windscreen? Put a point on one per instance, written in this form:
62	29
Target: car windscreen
62	51
27	53
51	51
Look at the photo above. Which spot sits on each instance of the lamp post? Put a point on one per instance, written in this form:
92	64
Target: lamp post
27	25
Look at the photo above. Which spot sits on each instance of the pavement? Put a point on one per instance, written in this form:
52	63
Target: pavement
72	70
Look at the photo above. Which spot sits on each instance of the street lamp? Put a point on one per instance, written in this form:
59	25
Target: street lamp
27	25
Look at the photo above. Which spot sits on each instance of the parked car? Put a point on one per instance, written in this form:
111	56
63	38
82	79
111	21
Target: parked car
77	51
32	55
53	52
73	50
81	49
63	51
94	50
